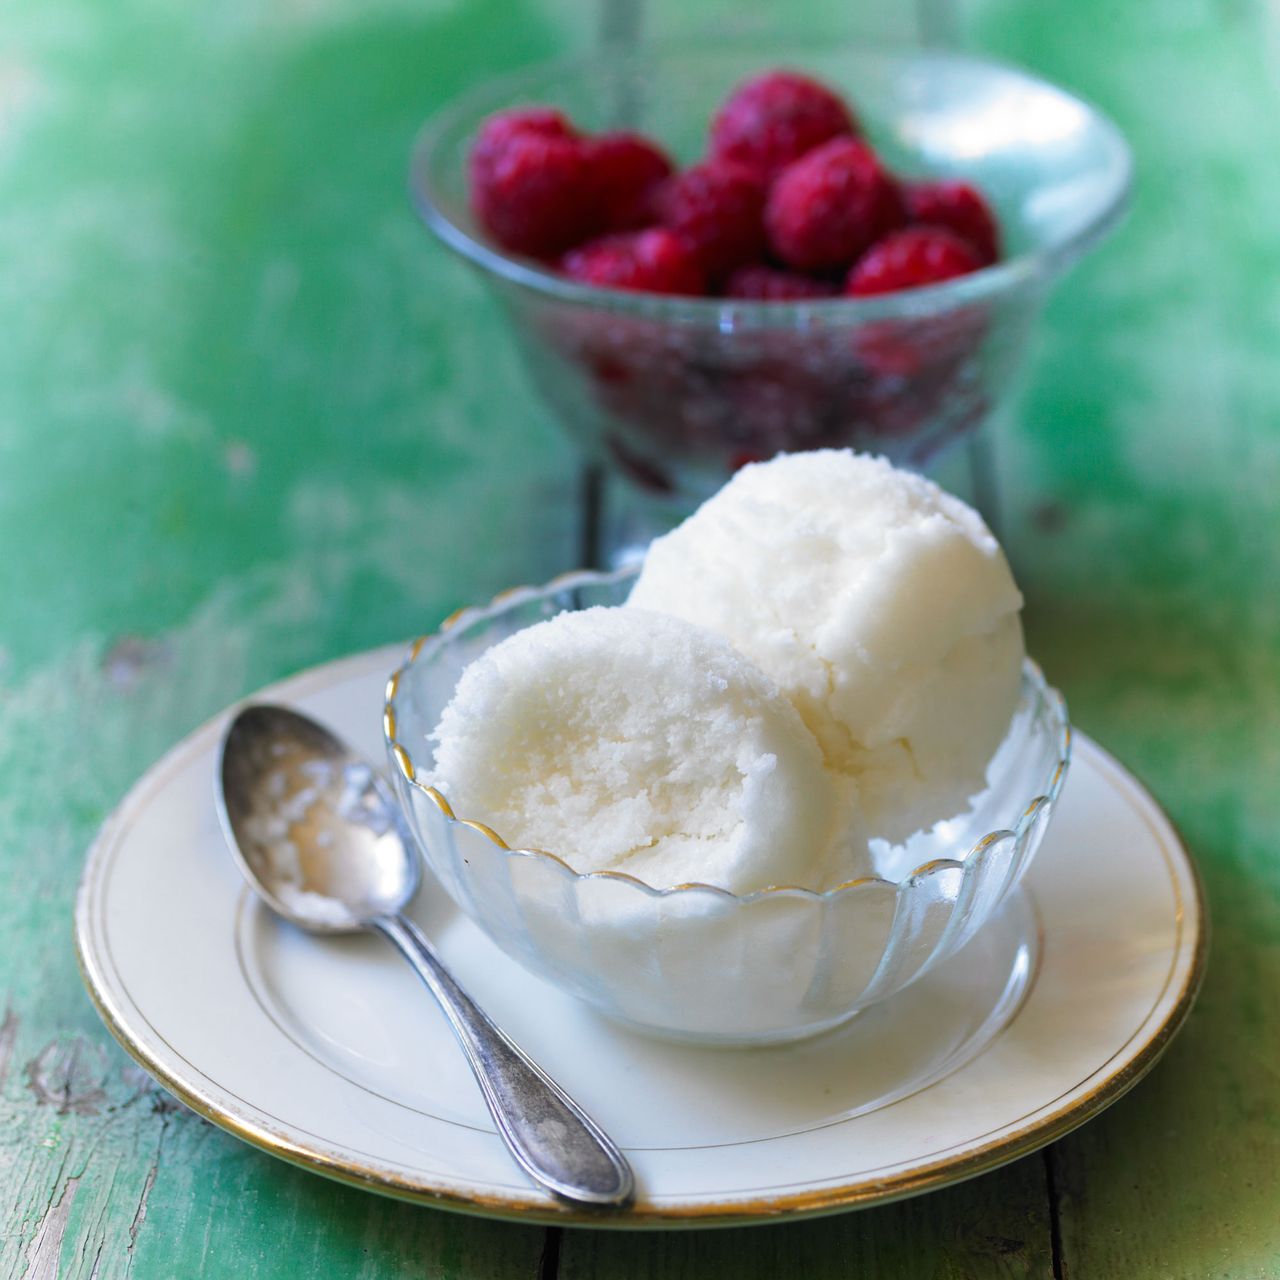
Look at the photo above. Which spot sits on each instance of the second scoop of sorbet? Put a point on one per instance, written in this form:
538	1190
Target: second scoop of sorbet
882	607
623	740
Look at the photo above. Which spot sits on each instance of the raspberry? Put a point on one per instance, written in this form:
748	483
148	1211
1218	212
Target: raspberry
929	346
626	169
911	258
773	119
717	210
776	406
531	186
830	205
653	261
961	209
769	284
497	131
910	422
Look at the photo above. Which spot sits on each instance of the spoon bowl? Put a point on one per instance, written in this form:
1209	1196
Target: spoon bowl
315	829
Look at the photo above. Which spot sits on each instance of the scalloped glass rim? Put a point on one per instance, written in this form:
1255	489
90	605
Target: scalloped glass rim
431	642
1041	263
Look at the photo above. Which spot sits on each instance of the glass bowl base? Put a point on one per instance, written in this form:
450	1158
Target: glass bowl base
939	1022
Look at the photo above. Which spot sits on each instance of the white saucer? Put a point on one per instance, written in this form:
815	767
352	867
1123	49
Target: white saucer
327	1053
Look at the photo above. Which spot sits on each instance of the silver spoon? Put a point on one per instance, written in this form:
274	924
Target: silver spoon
318	833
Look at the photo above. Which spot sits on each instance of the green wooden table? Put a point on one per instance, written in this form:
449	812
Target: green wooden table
251	419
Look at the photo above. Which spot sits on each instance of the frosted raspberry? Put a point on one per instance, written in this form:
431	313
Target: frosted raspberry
497	131
770	284
924	346
775	407
830	205
626	169
773	119
912	421
531	185
960	208
909	259
718	211
653	261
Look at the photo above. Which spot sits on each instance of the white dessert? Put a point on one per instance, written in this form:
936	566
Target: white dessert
623	740
882	607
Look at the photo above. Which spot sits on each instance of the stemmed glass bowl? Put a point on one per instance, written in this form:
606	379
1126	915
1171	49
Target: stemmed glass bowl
675	393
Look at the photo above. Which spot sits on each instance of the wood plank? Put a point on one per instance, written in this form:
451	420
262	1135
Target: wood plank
1146	469
993	1227
251	418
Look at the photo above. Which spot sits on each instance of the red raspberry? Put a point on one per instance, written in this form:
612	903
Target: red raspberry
910	422
653	261
531	186
769	284
717	210
774	407
497	131
961	209
773	119
830	205
911	258
626	169
929	346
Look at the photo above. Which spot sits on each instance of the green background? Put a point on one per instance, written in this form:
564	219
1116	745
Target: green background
251	418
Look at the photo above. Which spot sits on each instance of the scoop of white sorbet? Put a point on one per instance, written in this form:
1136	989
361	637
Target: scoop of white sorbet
623	740
880	605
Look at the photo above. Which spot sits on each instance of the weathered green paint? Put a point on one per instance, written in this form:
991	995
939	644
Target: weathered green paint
1148	543
250	418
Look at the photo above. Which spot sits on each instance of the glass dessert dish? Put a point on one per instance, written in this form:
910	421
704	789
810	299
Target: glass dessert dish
674	393
695	962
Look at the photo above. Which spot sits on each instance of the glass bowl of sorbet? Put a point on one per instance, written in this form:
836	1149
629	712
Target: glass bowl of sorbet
695	962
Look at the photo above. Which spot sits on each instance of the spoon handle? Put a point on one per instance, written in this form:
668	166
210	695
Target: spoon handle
549	1135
